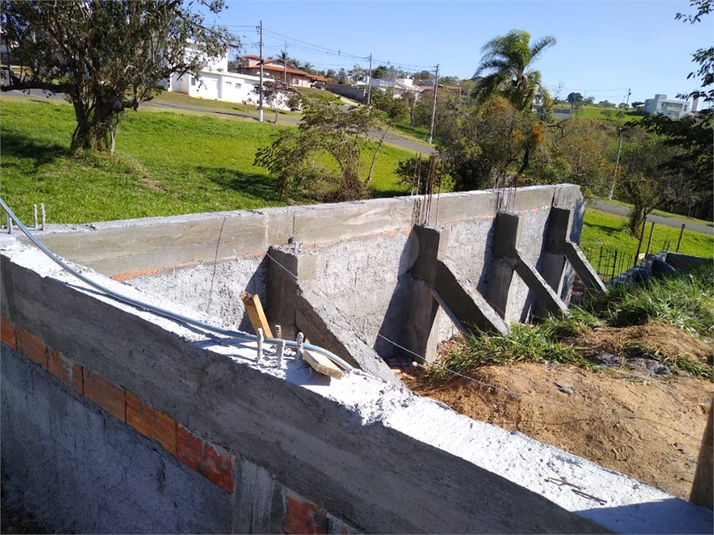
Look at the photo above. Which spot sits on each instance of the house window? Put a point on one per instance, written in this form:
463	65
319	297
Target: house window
238	86
193	81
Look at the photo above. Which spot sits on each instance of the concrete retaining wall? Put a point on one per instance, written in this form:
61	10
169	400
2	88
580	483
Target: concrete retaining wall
137	413
357	255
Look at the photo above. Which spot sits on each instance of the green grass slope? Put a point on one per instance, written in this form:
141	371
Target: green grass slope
165	164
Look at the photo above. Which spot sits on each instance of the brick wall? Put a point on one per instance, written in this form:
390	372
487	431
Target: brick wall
210	460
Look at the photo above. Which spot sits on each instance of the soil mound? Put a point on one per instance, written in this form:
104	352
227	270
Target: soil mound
643	423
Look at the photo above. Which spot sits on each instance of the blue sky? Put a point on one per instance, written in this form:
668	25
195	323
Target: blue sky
603	47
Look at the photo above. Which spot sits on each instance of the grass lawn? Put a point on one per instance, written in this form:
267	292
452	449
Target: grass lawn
605	113
165	164
605	229
420	135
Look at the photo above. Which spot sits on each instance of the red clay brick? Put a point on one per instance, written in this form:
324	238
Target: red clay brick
139	415
189	448
105	394
32	347
217	466
304	517
7	333
165	431
67	372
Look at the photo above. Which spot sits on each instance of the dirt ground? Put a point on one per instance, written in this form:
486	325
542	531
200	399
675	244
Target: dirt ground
638	422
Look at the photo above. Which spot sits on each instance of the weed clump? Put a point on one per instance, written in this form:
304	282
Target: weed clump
684	301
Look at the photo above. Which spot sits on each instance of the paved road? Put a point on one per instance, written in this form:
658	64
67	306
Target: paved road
660	220
268	116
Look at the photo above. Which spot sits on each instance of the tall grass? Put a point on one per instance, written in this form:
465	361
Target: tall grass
685	301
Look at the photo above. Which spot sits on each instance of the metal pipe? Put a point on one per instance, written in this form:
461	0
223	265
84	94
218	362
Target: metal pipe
161	311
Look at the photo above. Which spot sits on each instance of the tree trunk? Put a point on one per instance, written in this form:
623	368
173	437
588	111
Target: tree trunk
96	126
374	156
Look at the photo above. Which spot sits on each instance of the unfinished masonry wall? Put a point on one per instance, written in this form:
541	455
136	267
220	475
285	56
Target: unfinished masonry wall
356	256
120	421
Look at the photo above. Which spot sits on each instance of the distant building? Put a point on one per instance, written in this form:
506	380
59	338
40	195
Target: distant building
661	105
280	70
399	86
216	83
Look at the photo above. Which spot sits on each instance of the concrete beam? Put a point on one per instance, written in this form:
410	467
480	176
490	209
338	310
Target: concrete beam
432	244
420	331
320	321
583	268
553	261
296	306
465	302
281	290
504	256
545	295
420	334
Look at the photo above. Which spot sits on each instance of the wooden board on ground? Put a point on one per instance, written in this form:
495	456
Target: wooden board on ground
256	315
321	364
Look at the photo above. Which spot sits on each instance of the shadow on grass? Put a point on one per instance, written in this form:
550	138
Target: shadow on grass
384	193
255	185
610	231
23	147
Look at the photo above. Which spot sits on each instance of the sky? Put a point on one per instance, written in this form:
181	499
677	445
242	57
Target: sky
603	48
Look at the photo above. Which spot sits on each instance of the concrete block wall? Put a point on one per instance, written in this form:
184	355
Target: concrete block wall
174	430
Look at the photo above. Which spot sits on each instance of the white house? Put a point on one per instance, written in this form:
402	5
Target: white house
216	83
228	86
400	86
661	105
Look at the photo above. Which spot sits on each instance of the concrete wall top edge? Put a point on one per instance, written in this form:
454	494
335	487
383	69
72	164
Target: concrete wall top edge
568	191
120	247
370	401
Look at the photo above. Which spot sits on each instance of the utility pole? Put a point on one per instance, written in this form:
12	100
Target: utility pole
260	101
285	64
369	82
617	159
433	105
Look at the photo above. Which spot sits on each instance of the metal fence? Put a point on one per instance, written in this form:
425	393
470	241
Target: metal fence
609	262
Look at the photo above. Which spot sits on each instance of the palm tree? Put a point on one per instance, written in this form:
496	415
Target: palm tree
505	61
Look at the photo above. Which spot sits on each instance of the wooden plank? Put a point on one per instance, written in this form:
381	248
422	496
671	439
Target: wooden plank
321	364
256	315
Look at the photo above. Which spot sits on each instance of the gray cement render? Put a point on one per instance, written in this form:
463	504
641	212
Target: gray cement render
82	471
213	290
358	255
341	444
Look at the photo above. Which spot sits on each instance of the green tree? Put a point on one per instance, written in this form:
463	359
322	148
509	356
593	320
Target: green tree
342	76
575	99
106	56
506	61
394	109
692	136
488	146
356	73
423	78
278	95
645	180
703	56
320	158
450	80
577	151
380	72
